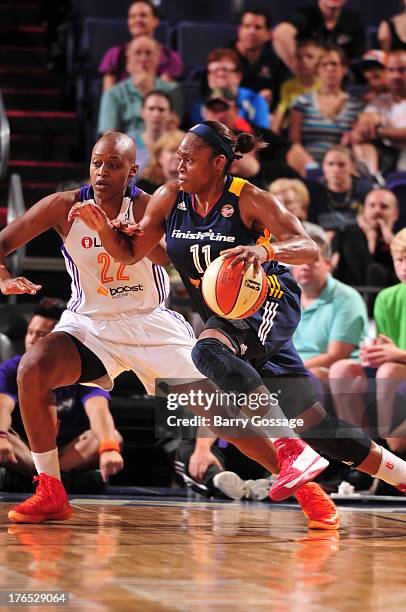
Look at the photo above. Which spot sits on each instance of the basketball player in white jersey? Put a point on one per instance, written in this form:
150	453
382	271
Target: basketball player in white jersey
116	320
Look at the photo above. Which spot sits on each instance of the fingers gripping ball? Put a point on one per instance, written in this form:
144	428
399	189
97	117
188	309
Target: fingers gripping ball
232	293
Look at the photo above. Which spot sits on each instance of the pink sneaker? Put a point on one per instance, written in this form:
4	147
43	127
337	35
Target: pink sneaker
298	464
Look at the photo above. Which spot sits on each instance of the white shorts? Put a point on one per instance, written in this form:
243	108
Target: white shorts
153	345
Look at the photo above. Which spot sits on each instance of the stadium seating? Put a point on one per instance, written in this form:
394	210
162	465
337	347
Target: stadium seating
175	11
277	10
107	10
195	40
190	91
399	188
396	176
372	13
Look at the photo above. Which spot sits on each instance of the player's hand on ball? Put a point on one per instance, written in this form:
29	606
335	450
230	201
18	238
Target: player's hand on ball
18	285
111	462
249	254
91	214
130	229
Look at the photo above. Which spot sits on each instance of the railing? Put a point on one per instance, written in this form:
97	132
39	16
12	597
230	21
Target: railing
19	260
4	139
15	202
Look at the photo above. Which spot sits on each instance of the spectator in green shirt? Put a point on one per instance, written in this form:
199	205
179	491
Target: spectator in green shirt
384	357
334	317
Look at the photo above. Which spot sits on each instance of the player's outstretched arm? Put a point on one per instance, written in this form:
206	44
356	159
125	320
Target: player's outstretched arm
158	255
102	426
262	210
117	243
51	211
129	249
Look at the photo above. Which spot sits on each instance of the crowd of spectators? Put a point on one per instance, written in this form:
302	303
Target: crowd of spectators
333	114
306	85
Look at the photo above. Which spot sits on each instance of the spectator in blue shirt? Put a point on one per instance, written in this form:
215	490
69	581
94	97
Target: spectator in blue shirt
86	432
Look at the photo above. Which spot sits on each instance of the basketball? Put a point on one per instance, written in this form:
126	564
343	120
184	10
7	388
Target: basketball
232	294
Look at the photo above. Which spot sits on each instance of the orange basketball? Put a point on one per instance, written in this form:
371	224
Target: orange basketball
232	294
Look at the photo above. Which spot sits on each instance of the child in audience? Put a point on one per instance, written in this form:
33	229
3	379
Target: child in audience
305	81
383	358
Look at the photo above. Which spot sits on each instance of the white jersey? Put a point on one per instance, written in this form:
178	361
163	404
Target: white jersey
103	288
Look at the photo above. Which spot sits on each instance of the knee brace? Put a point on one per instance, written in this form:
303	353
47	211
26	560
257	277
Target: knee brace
339	440
218	363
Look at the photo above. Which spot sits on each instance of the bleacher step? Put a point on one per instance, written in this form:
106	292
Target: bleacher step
32	191
24	98
43	147
27	56
22	35
42	121
31	170
20	14
21	76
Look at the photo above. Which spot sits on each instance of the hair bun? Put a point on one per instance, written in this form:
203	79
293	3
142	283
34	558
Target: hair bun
245	143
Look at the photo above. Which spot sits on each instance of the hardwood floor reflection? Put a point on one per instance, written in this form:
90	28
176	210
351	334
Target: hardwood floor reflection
205	556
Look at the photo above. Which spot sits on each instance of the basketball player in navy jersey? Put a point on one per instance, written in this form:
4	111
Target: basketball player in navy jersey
116	320
202	212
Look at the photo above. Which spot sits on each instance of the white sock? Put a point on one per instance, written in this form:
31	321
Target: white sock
47	463
392	469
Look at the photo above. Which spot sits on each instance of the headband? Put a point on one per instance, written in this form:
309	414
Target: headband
220	144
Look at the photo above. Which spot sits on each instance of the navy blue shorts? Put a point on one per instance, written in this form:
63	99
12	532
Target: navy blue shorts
265	338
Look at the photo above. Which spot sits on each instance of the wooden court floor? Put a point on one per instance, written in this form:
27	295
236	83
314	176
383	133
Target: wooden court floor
152	555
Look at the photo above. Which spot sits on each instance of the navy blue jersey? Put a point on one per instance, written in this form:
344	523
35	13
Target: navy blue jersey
193	242
69	402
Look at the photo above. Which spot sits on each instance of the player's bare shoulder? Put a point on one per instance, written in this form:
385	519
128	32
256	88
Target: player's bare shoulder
253	196
168	190
251	192
256	204
62	202
164	198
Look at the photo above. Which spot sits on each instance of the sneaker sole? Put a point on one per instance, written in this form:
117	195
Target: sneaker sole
259	492
320	525
17	517
279	493
233	490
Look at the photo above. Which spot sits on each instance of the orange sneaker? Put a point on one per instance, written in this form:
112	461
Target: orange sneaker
49	503
318	507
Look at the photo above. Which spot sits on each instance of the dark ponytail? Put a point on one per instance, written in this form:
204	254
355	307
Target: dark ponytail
248	142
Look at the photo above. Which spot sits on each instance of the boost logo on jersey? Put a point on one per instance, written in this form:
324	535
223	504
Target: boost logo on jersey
87	242
119	292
